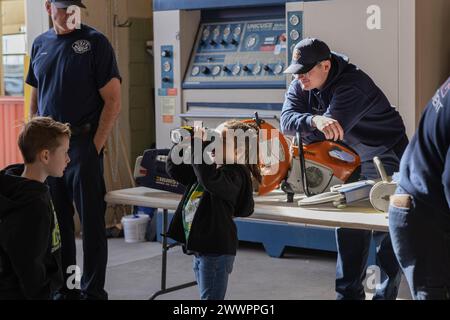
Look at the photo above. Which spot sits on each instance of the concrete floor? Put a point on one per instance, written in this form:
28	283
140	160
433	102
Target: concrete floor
134	272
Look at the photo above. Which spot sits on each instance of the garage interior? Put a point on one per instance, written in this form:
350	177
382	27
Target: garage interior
167	52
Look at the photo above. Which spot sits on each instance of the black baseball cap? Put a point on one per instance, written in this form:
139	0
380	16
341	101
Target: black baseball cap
63	4
307	54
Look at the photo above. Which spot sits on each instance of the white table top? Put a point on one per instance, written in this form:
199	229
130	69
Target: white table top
269	207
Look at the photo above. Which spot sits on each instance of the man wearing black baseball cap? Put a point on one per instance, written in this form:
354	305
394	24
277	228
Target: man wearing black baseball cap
75	79
307	54
331	98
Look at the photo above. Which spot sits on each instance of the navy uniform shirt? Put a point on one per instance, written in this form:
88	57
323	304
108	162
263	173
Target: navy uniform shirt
371	125
425	166
68	71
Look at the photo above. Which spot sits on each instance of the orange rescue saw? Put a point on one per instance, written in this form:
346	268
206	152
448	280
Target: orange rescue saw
310	169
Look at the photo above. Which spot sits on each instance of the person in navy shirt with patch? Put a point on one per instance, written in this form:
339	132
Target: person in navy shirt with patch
75	79
331	98
419	212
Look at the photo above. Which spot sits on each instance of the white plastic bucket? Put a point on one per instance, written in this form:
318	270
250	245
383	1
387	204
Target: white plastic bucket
134	227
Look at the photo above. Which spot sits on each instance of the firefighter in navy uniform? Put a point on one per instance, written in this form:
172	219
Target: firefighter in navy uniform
419	214
331	98
75	79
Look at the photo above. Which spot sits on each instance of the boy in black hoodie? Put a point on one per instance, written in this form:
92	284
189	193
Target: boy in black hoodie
30	261
203	221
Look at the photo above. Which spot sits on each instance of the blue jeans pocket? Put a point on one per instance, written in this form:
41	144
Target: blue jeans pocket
400	209
399	216
401	229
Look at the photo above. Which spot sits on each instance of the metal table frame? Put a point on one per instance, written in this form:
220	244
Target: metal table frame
165	248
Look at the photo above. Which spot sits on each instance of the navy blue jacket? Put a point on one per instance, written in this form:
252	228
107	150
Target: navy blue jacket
425	166
371	125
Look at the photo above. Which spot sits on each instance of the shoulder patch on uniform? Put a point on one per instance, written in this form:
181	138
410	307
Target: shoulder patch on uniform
81	46
445	88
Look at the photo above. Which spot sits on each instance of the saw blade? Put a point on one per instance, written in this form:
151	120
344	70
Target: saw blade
380	195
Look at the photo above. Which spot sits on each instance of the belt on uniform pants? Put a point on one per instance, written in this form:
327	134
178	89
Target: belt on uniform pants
81	130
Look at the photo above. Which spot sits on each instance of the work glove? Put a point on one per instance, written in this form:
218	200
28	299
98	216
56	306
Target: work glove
329	127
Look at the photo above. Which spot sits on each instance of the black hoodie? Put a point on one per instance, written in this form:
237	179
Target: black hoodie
228	194
349	96
30	258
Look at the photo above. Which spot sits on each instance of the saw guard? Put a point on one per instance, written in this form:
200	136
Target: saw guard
318	152
270	180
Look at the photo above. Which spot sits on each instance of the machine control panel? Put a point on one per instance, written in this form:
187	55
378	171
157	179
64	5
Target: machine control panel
294	30
167	66
239	54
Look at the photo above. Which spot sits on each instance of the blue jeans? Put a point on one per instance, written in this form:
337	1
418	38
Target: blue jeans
211	273
421	241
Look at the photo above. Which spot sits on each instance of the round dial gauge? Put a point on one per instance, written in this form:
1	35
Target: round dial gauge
206	33
257	69
226	32
251	41
237	31
166	66
216	70
195	71
216	32
236	69
294	35
278	69
294	20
